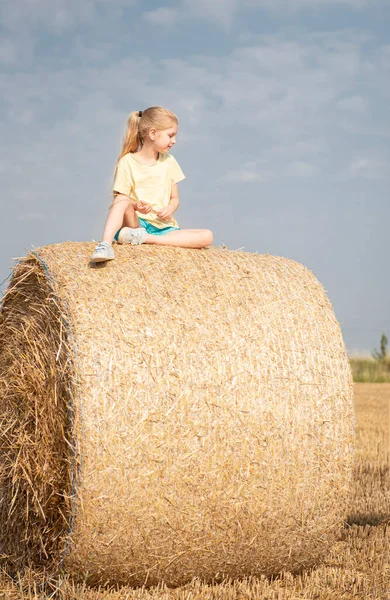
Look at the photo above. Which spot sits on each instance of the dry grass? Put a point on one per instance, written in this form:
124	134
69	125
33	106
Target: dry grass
35	483
192	409
358	566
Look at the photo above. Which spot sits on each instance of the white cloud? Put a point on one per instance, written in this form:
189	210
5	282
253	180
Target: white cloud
24	22
266	171
303	147
354	104
162	16
219	12
301	170
248	173
222	12
57	16
369	168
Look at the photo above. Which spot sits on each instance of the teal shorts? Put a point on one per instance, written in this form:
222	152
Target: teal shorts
151	228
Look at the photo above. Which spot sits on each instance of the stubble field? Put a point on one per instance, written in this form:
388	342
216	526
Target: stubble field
358	567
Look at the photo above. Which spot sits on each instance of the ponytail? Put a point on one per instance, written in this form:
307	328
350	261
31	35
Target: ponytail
132	138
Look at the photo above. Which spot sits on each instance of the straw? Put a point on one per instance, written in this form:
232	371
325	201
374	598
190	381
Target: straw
174	413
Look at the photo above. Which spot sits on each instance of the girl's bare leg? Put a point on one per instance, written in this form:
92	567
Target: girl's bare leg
122	213
186	238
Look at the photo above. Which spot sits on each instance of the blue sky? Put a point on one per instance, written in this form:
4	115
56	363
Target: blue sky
284	129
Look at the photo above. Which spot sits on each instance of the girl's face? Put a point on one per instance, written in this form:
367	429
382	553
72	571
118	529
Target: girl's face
166	138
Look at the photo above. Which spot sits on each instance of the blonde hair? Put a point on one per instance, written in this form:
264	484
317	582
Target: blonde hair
138	127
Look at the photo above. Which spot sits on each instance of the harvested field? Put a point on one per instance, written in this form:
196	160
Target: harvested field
357	568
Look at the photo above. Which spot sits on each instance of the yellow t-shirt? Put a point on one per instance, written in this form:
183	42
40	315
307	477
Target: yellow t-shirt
149	183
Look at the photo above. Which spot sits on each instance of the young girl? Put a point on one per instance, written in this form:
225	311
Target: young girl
145	183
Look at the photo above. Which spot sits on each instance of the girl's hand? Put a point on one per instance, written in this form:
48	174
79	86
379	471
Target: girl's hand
143	207
165	213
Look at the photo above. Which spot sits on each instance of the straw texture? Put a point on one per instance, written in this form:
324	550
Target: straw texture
173	413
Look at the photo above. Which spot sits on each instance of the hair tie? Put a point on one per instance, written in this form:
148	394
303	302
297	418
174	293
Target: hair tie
140	113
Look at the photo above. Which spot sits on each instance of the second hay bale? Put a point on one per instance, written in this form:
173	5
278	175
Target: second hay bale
193	415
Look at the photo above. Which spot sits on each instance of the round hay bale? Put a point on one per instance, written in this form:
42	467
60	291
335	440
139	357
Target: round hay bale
173	413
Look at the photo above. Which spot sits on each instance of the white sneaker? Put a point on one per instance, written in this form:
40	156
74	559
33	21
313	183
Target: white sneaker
102	252
128	235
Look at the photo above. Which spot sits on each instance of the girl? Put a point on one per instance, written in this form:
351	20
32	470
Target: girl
145	183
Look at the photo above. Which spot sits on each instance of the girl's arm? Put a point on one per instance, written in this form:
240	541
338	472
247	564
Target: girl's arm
166	213
174	201
142	207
